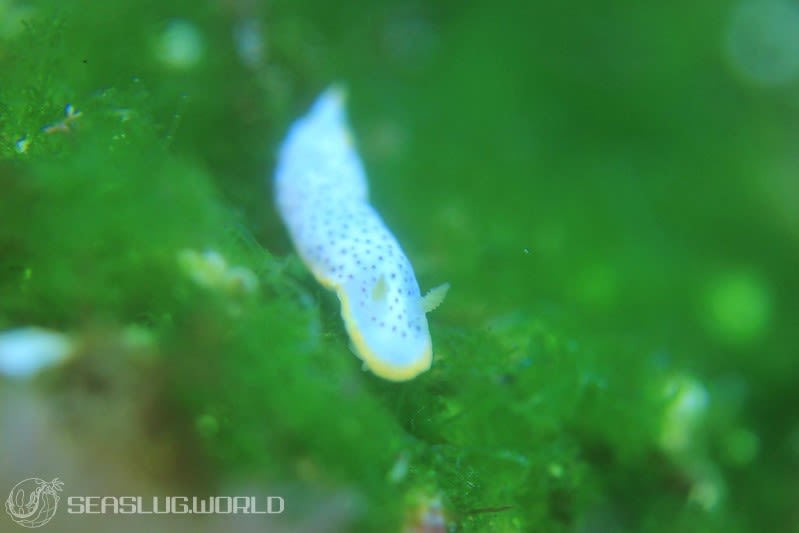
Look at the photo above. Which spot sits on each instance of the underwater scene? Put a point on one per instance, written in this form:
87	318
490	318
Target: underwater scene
399	266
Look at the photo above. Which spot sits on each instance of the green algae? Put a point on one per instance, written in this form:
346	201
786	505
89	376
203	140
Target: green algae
591	281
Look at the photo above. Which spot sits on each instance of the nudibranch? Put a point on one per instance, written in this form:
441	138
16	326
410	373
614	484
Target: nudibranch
322	195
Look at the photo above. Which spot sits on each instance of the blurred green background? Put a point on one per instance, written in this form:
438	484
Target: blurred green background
610	188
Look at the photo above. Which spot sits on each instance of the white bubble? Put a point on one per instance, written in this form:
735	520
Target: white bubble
762	41
25	352
180	45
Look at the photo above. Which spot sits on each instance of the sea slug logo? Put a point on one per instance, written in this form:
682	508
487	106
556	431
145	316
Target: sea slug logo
33	501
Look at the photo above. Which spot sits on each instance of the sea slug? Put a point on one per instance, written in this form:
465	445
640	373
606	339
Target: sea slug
321	193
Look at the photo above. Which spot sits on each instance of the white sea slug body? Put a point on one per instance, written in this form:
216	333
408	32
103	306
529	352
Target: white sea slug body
322	195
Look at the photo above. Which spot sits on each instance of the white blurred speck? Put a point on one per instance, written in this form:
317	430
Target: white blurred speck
249	43
399	471
762	41
687	404
210	269
707	491
180	45
26	351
